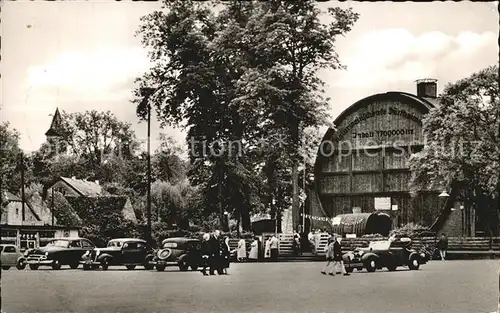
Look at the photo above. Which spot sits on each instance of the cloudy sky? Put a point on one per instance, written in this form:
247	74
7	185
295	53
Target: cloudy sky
83	55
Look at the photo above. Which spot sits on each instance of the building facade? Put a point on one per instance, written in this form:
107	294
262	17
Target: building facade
362	164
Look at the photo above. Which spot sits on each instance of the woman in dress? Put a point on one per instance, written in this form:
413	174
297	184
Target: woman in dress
254	250
267	249
242	250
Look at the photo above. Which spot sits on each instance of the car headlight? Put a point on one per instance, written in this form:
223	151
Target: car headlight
422	255
46	253
360	253
97	252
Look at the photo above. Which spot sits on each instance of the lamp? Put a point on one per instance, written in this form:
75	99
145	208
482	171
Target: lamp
444	194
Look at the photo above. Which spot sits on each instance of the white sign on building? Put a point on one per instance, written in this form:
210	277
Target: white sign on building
383	204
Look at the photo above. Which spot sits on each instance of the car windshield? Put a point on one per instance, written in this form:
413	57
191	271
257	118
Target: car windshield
58	243
380	245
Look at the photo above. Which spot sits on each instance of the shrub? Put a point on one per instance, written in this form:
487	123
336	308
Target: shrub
412	230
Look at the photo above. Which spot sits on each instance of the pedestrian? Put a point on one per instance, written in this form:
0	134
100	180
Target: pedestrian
205	253
215	255
337	256
242	250
274	248
226	254
442	246
329	259
254	250
267	249
296	244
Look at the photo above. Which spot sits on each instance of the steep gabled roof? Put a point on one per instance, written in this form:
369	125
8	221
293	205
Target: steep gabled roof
56	125
84	187
10	197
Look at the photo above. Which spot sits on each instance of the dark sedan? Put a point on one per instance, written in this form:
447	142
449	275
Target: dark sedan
180	251
58	252
128	252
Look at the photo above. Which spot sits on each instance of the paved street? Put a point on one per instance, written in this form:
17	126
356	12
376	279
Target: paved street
454	287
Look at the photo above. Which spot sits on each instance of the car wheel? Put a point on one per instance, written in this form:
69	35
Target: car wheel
371	265
74	266
21	264
160	268
414	263
130	267
391	265
104	264
34	267
183	266
349	269
56	265
147	263
5	267
86	267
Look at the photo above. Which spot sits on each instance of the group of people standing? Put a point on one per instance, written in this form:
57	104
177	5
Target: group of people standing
216	254
270	250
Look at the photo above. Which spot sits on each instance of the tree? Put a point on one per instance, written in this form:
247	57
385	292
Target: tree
463	145
167	165
9	156
289	45
227	78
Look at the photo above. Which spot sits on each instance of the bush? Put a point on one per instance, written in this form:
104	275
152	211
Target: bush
412	230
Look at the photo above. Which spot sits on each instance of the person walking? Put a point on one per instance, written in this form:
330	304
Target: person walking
242	250
274	248
205	253
442	246
337	256
226	255
215	255
254	250
329	259
267	249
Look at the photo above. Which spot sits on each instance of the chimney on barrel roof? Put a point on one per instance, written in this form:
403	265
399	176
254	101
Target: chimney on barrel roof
427	88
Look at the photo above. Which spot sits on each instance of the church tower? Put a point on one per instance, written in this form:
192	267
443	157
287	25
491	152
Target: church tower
55	132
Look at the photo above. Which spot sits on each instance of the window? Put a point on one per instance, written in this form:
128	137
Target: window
87	244
9	249
75	244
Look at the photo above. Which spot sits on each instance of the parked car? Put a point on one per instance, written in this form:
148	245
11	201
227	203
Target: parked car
180	251
58	252
129	252
386	253
11	255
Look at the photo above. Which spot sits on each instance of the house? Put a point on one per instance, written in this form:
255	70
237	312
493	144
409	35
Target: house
26	229
12	211
73	189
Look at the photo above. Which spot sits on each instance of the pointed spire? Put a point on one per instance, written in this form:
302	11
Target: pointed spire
55	129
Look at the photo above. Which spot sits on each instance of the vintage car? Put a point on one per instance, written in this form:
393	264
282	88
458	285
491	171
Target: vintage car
180	251
385	253
12	256
58	252
129	252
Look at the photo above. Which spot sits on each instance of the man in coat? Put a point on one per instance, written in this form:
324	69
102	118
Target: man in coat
442	245
215	254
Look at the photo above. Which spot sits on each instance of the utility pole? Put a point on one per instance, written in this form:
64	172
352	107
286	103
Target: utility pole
21	164
52	205
149	234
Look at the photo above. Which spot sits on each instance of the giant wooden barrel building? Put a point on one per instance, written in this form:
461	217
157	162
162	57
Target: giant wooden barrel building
362	163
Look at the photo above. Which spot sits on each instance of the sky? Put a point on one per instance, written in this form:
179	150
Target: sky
79	56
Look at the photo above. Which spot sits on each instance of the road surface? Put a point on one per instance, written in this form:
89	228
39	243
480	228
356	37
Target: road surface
451	287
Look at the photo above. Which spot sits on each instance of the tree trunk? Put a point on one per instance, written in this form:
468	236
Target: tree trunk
295	195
